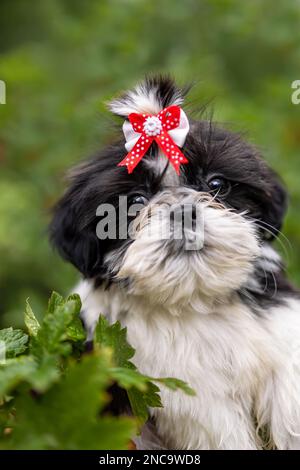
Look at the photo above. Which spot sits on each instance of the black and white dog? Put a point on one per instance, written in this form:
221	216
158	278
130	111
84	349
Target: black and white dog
222	317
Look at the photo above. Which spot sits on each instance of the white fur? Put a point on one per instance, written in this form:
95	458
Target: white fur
141	100
245	370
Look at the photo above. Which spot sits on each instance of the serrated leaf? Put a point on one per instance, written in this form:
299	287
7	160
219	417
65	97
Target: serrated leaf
76	331
152	396
55	301
53	331
15	342
140	402
128	378
175	384
114	337
60	326
76	299
67	416
30	320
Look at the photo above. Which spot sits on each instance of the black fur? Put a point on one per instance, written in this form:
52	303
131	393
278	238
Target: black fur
274	290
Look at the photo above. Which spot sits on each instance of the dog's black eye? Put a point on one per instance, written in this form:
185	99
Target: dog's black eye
219	186
138	199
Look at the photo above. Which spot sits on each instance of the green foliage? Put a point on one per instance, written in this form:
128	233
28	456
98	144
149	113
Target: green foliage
15	341
31	322
52	397
66	417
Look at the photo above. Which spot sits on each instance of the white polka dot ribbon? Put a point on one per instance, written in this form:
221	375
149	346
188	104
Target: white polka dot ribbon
168	129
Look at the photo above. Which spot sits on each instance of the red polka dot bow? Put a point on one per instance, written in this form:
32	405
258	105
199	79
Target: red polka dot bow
168	129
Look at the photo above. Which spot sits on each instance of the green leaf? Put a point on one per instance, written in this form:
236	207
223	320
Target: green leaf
76	299
67	416
49	343
14	342
128	378
176	384
142	393
53	340
76	331
45	374
31	321
15	371
114	337
53	332
141	401
56	300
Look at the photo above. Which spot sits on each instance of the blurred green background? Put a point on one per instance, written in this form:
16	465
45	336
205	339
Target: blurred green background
61	59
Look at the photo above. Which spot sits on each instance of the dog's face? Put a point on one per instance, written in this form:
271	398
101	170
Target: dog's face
240	203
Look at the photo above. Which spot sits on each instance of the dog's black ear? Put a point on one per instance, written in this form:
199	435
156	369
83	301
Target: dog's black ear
73	234
275	205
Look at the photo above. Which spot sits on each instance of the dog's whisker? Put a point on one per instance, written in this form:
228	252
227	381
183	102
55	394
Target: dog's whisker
279	233
281	243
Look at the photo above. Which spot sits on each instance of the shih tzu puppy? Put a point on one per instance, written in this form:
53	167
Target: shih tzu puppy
209	302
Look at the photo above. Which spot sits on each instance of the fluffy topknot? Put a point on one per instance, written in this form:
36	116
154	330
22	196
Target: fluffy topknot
150	96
